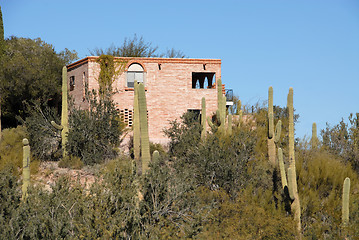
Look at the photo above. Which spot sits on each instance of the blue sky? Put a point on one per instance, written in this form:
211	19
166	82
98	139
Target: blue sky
312	46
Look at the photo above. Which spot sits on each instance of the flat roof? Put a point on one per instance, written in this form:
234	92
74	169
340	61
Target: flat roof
148	60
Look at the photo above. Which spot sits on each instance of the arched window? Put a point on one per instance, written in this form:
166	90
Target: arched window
135	72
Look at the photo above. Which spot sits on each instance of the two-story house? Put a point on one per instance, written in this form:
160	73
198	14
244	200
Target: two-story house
173	86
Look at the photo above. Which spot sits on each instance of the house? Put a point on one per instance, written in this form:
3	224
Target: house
173	86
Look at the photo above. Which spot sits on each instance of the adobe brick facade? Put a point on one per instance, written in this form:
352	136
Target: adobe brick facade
169	88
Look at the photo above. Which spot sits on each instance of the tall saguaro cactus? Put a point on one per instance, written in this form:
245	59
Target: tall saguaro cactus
203	119
345	202
64	127
145	143
273	135
292	179
136	129
25	167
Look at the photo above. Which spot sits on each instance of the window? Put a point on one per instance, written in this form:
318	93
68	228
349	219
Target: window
196	114
135	72
72	83
202	80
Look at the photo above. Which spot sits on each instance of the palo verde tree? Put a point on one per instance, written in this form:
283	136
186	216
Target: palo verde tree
137	47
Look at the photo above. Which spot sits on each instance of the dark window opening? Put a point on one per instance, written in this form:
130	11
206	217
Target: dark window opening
201	80
195	113
72	83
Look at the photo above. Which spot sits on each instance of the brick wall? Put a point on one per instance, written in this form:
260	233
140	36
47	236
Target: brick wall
169	91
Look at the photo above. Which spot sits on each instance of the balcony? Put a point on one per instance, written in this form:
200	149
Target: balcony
229	97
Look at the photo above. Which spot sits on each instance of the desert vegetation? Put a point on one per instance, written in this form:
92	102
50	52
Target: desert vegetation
231	175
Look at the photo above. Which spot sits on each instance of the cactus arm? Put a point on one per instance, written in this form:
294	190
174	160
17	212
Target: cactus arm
26	168
345	202
291	183
203	119
278	130
271	136
57	126
239	106
209	121
270	113
282	169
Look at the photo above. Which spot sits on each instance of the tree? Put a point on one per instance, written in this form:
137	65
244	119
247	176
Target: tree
31	72
343	140
2	45
136	47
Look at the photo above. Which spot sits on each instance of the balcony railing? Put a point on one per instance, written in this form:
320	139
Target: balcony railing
229	95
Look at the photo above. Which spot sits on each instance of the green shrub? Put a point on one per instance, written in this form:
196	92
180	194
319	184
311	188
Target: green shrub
320	185
94	134
45	140
219	162
71	162
10	195
11	147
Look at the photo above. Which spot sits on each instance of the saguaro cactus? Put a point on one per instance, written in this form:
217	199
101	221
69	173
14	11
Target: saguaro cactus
221	108
64	127
314	140
203	119
345	203
292	178
273	136
145	143
136	129
25	167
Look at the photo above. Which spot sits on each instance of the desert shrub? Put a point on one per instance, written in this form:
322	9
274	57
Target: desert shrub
113	202
45	140
169	205
320	185
94	133
220	161
59	214
71	162
11	147
249	216
9	200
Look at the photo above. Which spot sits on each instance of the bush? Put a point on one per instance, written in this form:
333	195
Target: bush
10	196
219	162
71	162
320	185
94	134
11	147
45	140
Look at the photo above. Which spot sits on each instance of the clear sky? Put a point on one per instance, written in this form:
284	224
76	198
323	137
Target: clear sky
310	45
